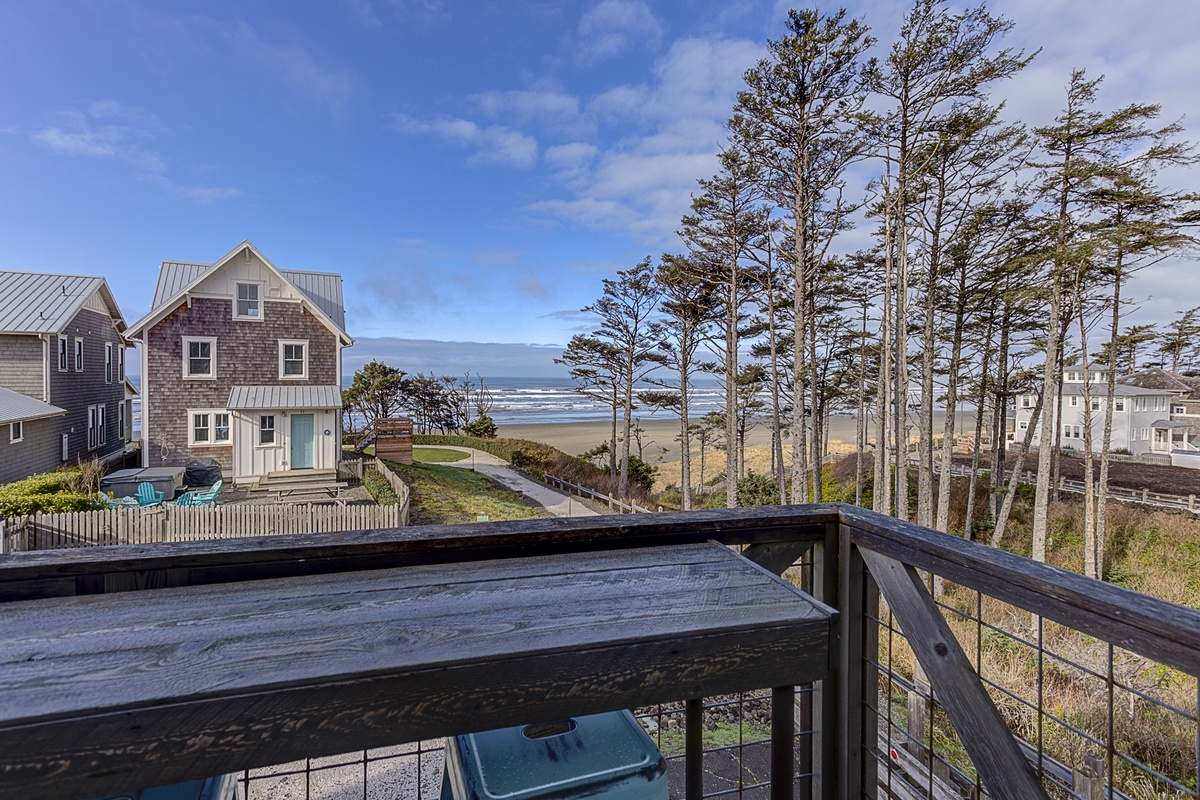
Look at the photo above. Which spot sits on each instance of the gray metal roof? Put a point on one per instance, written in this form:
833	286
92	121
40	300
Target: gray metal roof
17	407
246	398
173	278
1170	423
323	289
39	302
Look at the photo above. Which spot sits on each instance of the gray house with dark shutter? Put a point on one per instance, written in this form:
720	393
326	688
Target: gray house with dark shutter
62	373
242	363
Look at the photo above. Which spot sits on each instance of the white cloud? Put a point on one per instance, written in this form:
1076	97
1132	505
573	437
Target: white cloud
123	137
290	61
202	195
642	183
548	107
611	27
493	144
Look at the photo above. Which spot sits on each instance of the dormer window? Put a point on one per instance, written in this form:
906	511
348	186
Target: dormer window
248	304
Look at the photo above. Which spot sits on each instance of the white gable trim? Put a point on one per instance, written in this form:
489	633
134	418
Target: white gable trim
186	293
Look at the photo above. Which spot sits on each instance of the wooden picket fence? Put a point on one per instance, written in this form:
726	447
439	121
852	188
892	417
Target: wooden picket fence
185	524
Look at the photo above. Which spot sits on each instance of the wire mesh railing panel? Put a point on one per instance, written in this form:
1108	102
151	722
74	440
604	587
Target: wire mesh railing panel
1095	720
404	771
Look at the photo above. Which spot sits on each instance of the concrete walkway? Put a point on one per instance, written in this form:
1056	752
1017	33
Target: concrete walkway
499	470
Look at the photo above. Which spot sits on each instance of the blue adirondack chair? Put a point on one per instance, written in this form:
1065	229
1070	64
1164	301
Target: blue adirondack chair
208	497
147	495
121	502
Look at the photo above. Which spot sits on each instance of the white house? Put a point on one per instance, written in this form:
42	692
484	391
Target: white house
1141	415
242	363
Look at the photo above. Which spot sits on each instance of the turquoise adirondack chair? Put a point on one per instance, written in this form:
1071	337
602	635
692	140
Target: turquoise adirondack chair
147	495
208	497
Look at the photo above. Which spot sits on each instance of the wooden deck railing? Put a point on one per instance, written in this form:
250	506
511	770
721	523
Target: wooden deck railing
876	572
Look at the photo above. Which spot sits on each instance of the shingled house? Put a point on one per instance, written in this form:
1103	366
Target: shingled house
62	373
242	362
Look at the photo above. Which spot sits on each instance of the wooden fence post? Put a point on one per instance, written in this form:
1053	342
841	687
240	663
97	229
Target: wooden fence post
1088	780
1192	503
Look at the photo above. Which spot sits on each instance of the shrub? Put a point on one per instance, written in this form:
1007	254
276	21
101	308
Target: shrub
757	490
50	492
484	427
379	489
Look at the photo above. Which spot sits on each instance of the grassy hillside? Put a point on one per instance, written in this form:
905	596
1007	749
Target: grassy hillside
449	495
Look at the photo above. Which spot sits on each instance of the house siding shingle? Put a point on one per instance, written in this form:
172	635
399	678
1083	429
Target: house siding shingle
38	450
75	391
247	353
21	359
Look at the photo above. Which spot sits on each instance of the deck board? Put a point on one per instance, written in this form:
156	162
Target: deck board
178	683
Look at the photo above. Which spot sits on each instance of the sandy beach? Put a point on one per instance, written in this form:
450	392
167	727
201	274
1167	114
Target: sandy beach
659	445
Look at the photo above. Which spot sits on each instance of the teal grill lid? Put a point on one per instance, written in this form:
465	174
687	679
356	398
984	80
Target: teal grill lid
599	756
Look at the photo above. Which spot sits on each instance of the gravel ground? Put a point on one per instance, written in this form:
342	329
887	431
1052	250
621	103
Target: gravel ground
354	495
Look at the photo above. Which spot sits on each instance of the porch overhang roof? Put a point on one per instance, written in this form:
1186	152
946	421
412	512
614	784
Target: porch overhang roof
259	398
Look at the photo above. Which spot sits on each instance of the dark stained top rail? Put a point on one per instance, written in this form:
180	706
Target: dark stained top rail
128	690
97	570
1146	625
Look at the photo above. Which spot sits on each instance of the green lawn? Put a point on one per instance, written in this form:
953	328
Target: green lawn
437	455
447	495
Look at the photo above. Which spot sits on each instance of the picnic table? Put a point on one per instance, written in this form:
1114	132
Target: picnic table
310	491
231	676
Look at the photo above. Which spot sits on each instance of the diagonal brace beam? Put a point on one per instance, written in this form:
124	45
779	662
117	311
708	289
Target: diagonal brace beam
1005	771
776	556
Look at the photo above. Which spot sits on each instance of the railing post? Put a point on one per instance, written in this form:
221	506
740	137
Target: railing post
822	713
693	758
857	734
783	742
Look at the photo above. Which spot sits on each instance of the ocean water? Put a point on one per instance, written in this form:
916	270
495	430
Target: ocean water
545	400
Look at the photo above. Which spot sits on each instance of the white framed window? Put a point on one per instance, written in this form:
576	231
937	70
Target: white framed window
208	427
63	354
1026	401
1022	424
78	354
199	357
247	303
1145	434
1118	404
102	424
93	427
108	362
293	358
1179	410
121	422
16	432
121	363
1074	400
1066	431
1077	434
1095	404
266	430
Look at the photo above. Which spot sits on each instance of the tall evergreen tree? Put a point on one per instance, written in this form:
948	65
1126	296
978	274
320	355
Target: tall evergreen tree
798	109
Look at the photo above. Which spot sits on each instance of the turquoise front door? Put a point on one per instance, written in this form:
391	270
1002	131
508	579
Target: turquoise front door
302	441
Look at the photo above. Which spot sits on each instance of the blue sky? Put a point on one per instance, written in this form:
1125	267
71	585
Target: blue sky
473	170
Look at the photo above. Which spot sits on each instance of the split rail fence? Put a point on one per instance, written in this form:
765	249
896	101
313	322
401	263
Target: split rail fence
1141	496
